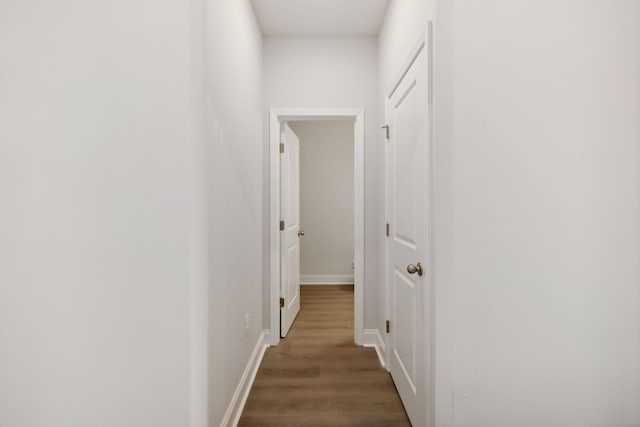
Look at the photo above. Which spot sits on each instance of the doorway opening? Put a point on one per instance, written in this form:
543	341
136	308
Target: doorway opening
284	183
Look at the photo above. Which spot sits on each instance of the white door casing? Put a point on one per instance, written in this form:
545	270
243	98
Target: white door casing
277	117
408	210
290	240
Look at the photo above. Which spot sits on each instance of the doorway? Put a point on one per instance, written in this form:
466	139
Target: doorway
278	119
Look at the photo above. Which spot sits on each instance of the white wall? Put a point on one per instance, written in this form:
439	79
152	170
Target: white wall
234	164
537	207
108	246
342	73
326	199
98	133
537	213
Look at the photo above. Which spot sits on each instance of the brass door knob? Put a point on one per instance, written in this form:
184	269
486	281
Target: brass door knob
413	269
300	233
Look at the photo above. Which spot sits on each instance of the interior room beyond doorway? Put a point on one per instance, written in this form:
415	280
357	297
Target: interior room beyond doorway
326	201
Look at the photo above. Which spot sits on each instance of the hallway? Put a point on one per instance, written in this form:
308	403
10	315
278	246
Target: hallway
494	166
317	376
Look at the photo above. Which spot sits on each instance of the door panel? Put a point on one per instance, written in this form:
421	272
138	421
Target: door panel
409	171
404	348
404	183
290	241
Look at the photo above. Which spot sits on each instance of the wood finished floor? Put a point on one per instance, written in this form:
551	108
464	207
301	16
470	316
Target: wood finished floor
317	376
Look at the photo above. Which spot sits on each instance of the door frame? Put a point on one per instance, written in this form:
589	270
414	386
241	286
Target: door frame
277	116
424	42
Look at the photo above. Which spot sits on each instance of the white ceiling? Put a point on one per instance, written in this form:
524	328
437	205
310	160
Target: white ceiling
320	18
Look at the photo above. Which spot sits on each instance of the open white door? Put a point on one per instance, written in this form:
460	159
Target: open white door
408	210
289	229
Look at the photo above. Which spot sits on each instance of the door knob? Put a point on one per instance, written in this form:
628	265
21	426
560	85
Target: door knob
300	233
413	269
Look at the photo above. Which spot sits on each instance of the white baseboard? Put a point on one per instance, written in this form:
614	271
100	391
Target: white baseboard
326	279
271	339
234	411
373	338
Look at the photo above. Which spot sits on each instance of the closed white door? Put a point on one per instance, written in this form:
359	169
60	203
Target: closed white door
289	229
408	203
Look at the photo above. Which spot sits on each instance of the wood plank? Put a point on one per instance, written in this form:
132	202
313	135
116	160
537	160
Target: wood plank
317	376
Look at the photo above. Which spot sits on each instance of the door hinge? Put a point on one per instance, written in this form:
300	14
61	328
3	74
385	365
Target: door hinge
281	302
387	230
387	326
281	225
281	148
386	128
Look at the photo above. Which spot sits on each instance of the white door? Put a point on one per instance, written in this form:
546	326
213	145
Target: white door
408	214
290	229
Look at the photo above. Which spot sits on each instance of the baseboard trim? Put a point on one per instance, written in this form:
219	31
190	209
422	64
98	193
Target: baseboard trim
326	279
234	411
271	339
373	338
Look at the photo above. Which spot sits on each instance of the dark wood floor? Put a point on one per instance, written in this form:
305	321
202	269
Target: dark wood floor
317	376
